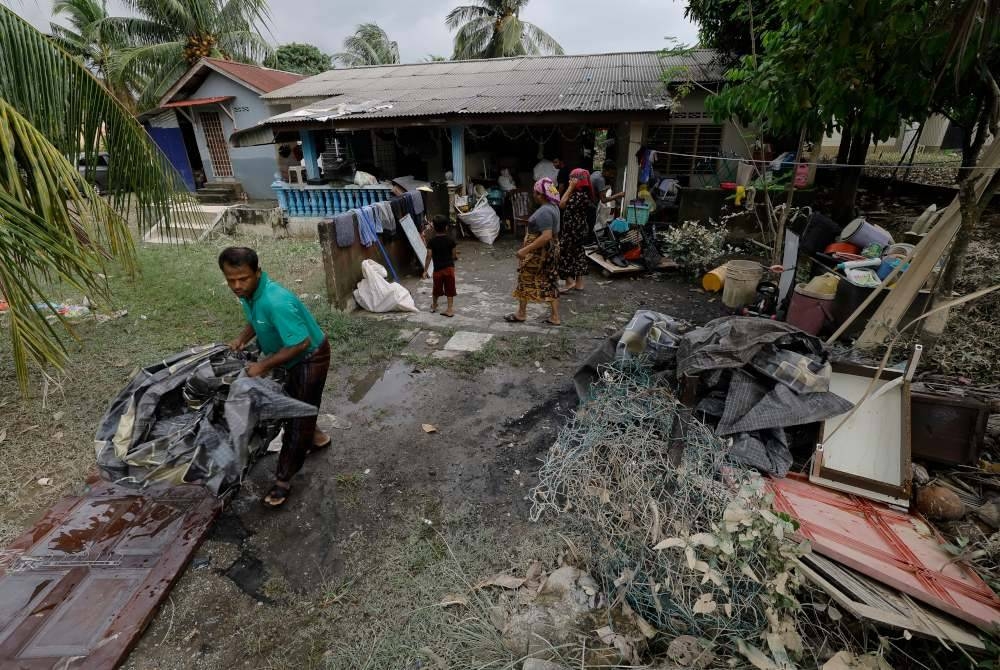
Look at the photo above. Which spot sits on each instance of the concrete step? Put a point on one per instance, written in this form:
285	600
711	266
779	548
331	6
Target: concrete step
216	198
187	225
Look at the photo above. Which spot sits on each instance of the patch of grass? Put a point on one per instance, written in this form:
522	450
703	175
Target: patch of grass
359	340
403	624
179	300
349	486
508	351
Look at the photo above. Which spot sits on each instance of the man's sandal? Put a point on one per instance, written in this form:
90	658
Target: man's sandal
276	497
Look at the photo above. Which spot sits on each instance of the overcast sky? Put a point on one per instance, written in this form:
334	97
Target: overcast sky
581	26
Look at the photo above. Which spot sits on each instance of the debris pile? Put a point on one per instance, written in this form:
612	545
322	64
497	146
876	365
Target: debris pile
683	535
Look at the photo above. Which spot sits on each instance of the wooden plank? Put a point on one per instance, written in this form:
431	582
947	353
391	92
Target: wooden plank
928	252
611	268
416	240
867	599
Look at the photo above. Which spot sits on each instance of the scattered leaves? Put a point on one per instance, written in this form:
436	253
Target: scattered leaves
454	599
503	581
705	604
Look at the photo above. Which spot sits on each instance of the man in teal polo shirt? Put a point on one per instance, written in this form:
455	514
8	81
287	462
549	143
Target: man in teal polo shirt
289	338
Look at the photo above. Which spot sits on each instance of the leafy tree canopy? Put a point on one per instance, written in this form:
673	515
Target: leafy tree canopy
302	58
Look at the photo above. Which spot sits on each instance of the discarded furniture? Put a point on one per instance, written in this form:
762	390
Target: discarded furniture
947	429
925	257
520	204
867	450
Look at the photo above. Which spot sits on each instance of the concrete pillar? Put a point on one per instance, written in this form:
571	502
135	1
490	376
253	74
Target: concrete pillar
458	154
621	155
309	154
635	133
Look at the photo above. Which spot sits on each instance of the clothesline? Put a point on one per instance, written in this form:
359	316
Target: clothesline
738	159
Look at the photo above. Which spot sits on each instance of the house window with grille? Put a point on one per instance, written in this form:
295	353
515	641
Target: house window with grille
691	140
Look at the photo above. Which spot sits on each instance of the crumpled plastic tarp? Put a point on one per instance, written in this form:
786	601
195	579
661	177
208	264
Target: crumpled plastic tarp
759	377
154	432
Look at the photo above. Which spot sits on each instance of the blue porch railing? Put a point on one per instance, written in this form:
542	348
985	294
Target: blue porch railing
326	200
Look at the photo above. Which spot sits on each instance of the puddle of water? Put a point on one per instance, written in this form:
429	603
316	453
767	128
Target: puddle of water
390	388
363	385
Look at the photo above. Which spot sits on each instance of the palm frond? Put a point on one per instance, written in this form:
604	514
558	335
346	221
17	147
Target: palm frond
79	13
974	21
133	31
244	45
509	39
72	43
472	39
180	16
368	45
467	13
52	224
545	44
236	12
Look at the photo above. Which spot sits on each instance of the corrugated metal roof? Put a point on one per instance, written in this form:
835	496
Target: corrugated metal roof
592	83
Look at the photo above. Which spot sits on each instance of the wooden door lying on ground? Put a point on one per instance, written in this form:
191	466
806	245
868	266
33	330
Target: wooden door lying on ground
78	588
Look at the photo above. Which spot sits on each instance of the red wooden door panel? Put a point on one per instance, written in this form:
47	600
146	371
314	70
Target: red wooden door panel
895	548
78	588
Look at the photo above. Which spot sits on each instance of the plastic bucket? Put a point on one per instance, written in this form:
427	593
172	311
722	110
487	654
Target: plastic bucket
714	281
809	311
637	214
741	282
862	234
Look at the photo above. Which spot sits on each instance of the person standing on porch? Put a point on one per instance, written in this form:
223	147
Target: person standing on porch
577	220
538	269
289	338
603	181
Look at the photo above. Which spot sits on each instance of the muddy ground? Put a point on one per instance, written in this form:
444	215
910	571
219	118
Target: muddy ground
378	526
391	518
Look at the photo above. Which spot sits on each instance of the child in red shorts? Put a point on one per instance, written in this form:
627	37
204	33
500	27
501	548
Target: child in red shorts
441	249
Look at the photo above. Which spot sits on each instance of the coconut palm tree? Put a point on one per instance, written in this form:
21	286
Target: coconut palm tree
369	45
53	226
84	39
494	29
166	37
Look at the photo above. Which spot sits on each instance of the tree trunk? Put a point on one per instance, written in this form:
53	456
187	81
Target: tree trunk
850	177
844	149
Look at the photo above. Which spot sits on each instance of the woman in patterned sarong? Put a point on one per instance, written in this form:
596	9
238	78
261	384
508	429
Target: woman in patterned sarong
538	269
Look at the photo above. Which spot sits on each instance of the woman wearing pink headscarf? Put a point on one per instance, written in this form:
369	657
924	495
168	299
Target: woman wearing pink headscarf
538	270
578	217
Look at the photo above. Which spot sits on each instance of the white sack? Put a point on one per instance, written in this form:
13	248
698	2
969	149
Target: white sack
483	221
375	294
